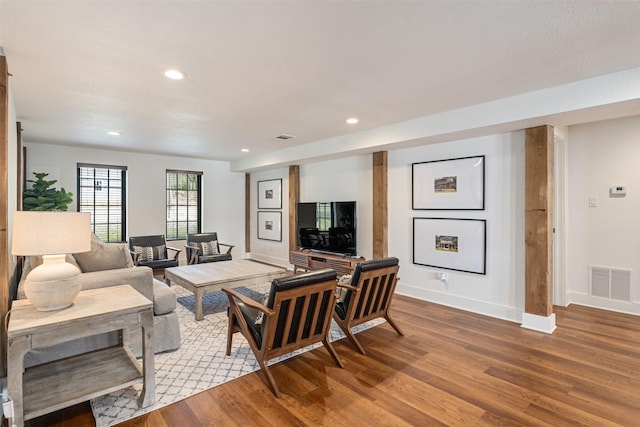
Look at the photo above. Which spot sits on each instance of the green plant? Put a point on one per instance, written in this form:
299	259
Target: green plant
40	197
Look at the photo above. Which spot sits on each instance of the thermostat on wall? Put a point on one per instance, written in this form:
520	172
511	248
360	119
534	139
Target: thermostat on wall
618	190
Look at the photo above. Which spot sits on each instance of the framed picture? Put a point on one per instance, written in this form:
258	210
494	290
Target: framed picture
270	226
453	184
270	194
450	243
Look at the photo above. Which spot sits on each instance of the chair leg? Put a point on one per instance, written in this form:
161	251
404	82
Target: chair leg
393	324
354	341
270	380
345	328
332	352
230	331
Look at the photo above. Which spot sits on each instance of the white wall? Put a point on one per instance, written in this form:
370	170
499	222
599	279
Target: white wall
270	251
223	191
335	180
601	155
499	293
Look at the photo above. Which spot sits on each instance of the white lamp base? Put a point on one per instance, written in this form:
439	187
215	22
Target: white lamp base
53	285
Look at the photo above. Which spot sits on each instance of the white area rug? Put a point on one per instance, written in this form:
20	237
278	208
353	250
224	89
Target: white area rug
200	363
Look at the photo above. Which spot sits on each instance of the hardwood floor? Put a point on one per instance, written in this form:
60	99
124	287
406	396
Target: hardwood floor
451	368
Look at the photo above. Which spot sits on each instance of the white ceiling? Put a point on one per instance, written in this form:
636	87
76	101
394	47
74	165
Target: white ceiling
257	69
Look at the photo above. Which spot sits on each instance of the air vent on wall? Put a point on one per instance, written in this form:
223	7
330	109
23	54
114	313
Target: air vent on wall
284	137
610	283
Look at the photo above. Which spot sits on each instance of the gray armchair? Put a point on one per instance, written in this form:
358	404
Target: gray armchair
205	247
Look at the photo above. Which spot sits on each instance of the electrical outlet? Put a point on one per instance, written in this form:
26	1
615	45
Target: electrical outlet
7	409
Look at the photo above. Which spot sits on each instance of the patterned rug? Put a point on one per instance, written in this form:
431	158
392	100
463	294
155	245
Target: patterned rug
200	363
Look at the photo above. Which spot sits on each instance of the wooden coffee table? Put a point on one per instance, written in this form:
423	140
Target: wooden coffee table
213	276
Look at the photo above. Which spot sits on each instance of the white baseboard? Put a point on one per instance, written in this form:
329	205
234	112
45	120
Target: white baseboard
625	307
511	314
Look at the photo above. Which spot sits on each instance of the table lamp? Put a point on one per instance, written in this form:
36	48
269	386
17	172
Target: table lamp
54	284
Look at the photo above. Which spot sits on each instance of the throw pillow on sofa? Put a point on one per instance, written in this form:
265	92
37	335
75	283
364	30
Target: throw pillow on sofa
104	256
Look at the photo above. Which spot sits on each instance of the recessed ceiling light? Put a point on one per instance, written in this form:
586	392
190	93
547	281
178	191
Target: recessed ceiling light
113	133
244	150
174	74
352	121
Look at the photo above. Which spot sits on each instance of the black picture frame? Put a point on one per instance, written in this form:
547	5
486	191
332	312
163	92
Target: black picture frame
270	225
449	184
458	244
270	194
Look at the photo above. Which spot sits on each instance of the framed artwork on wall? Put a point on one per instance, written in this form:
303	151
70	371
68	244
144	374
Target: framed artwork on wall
270	225
270	194
450	243
452	184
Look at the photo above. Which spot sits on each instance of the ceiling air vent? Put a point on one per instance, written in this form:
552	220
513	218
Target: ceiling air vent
284	137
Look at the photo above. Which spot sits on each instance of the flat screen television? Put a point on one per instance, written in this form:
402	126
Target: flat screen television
328	227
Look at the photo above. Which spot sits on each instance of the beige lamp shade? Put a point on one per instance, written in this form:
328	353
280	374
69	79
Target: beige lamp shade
50	233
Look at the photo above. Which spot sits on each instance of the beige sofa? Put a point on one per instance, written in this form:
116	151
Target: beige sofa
110	265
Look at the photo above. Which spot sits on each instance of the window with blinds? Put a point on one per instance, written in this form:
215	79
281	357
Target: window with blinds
101	192
184	199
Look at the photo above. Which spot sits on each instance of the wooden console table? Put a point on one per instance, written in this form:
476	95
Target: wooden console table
55	385
309	260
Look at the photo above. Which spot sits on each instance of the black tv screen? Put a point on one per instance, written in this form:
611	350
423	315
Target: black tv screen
328	227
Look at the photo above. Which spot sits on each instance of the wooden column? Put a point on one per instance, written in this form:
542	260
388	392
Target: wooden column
539	221
380	242
294	198
247	212
4	207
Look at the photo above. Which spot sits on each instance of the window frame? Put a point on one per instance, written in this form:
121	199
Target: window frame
178	218
123	198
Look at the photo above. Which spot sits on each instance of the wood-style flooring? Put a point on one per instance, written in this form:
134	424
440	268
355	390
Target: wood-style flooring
451	368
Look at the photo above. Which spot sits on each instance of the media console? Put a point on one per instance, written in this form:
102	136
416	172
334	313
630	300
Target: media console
316	260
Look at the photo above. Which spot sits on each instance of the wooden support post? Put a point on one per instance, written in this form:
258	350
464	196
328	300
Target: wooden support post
4	211
294	198
380	243
247	212
539	228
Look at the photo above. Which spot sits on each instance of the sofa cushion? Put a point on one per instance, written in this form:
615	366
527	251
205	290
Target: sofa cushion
164	298
104	256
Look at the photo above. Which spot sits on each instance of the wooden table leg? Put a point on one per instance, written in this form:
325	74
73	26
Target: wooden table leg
17	348
148	394
199	293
